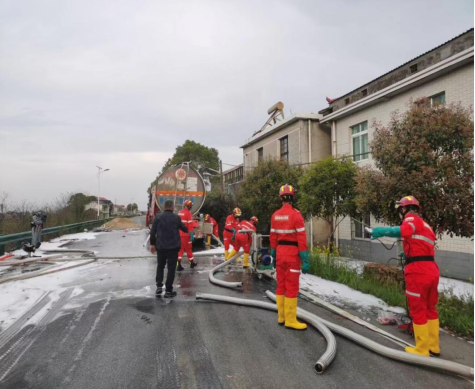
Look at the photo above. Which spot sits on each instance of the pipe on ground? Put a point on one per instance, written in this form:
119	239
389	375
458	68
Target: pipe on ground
226	284
330	352
401	356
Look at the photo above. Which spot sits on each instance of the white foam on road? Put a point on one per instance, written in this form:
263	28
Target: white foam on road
343	295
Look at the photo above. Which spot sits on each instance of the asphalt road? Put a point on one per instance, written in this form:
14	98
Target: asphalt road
109	331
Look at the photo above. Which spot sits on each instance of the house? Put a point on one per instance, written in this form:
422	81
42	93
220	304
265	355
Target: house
118	210
300	140
105	206
443	74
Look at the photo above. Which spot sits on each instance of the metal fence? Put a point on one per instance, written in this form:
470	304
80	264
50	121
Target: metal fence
16	239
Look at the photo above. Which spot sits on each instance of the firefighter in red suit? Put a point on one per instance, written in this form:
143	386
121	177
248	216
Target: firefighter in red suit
229	229
421	274
288	242
186	238
243	239
209	219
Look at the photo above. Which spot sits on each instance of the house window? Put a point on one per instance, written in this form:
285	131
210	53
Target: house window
260	154
359	134
359	225
365	92
437	99
347	101
284	149
413	68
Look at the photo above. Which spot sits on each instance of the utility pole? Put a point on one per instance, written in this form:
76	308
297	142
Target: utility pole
222	175
99	171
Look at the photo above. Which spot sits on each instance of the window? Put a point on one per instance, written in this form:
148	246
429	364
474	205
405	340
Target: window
359	231
347	101
359	134
413	68
284	148
365	92
260	154
437	99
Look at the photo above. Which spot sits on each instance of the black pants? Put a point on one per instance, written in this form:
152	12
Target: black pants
169	258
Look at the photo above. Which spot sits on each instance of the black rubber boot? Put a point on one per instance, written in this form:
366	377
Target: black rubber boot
170	294
179	267
193	264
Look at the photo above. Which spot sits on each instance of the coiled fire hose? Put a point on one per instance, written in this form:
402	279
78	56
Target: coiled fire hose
226	284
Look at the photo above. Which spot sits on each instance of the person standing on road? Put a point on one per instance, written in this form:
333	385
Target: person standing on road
421	274
165	240
229	229
288	242
187	238
243	239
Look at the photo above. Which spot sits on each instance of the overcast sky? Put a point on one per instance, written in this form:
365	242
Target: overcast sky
120	84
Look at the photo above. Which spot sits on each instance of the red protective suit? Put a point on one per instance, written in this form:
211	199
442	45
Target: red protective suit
288	238
231	222
186	245
215	226
243	240
422	276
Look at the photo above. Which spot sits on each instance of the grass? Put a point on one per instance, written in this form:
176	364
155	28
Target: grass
455	313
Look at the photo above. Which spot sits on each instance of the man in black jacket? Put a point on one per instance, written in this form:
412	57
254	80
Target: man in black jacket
165	239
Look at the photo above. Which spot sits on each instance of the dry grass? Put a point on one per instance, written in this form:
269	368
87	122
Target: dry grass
121	223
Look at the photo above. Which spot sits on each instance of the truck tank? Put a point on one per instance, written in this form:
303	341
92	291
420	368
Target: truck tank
178	183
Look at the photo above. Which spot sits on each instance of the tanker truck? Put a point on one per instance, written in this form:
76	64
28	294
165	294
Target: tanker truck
179	183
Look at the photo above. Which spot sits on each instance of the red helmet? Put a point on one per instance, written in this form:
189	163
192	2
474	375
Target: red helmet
188	204
287	190
407	200
237	212
254	220
206	217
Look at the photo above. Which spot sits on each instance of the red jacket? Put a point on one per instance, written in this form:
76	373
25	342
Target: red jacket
187	219
418	237
287	224
231	222
245	225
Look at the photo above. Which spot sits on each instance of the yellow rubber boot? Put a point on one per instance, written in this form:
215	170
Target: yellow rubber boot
290	309
434	347
245	263
421	334
226	255
279	299
231	254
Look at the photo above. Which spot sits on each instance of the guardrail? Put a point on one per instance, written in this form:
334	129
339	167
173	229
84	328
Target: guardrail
26	236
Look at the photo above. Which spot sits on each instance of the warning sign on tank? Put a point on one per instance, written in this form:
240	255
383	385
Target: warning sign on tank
180	174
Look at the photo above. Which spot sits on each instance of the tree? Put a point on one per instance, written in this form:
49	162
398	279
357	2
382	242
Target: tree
426	152
259	193
132	207
196	153
327	191
77	205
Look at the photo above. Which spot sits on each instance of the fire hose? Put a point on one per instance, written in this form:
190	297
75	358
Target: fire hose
226	284
401	356
330	352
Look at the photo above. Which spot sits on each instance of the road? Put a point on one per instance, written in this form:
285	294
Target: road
109	331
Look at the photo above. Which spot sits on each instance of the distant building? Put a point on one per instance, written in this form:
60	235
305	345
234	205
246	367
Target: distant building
105	207
233	179
445	75
119	210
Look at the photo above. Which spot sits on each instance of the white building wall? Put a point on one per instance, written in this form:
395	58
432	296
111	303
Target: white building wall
458	87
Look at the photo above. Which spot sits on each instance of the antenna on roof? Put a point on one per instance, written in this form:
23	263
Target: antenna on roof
275	112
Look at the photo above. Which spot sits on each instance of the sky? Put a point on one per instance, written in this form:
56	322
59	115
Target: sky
120	84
